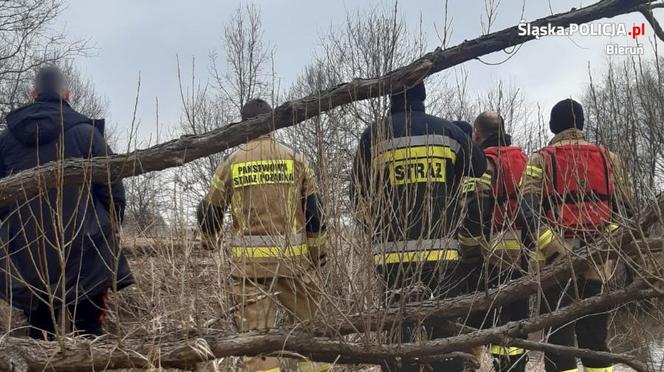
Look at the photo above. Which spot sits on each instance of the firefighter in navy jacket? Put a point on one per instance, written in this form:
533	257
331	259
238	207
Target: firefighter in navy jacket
406	191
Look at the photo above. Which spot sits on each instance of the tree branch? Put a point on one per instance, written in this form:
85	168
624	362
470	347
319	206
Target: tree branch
646	10
626	359
85	355
189	148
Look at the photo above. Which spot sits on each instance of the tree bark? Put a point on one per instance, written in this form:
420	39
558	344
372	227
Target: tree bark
188	148
85	355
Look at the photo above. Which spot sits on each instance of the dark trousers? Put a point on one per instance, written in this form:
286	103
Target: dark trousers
415	282
590	330
478	278
88	315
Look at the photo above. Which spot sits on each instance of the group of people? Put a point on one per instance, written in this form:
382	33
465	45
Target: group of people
447	208
455	208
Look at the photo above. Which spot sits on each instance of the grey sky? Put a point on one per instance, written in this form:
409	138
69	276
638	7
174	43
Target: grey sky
144	36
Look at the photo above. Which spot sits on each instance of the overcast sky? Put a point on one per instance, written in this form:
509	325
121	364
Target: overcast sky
132	37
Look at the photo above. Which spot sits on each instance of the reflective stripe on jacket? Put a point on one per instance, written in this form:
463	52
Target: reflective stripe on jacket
407	177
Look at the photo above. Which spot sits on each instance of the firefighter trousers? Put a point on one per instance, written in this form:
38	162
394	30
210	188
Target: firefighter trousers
478	277
259	299
590	330
412	282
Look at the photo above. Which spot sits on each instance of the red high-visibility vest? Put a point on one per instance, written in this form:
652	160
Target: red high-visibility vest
578	187
509	163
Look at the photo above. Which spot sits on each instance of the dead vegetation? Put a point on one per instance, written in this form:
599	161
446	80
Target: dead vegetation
179	313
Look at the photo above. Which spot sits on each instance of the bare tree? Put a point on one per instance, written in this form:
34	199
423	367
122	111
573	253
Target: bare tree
26	42
247	56
625	113
208	106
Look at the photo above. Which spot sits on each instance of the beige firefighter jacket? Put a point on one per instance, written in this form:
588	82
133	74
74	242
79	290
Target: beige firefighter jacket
265	184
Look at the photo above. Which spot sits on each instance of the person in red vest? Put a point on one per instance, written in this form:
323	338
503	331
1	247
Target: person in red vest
502	260
573	193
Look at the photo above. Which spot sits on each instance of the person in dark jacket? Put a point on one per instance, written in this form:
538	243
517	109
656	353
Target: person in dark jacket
408	174
465	127
70	227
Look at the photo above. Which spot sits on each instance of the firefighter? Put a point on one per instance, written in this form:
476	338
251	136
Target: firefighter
503	260
277	242
573	192
407	177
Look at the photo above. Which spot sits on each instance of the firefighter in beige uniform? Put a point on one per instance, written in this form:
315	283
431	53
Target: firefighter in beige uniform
277	242
573	193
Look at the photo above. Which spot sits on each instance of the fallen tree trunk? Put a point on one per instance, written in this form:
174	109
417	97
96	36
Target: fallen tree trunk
189	148
85	355
497	297
382	319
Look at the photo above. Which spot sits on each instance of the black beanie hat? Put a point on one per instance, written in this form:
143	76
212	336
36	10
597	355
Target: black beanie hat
464	126
566	114
418	92
254	107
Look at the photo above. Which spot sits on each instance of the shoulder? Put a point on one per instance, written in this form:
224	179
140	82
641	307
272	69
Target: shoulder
83	128
447	128
612	155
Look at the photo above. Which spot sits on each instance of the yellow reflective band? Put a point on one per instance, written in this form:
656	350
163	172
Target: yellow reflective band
313	367
508	244
509	351
217	183
605	369
265	252
545	239
571	370
439	255
534	171
470	241
469	187
612	227
263	172
415	152
473	180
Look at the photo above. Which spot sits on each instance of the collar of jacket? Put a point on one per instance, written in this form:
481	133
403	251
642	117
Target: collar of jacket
496	140
571	134
398	105
51	97
264	137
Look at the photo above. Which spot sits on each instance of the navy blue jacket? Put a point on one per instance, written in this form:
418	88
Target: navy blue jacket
404	194
75	223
